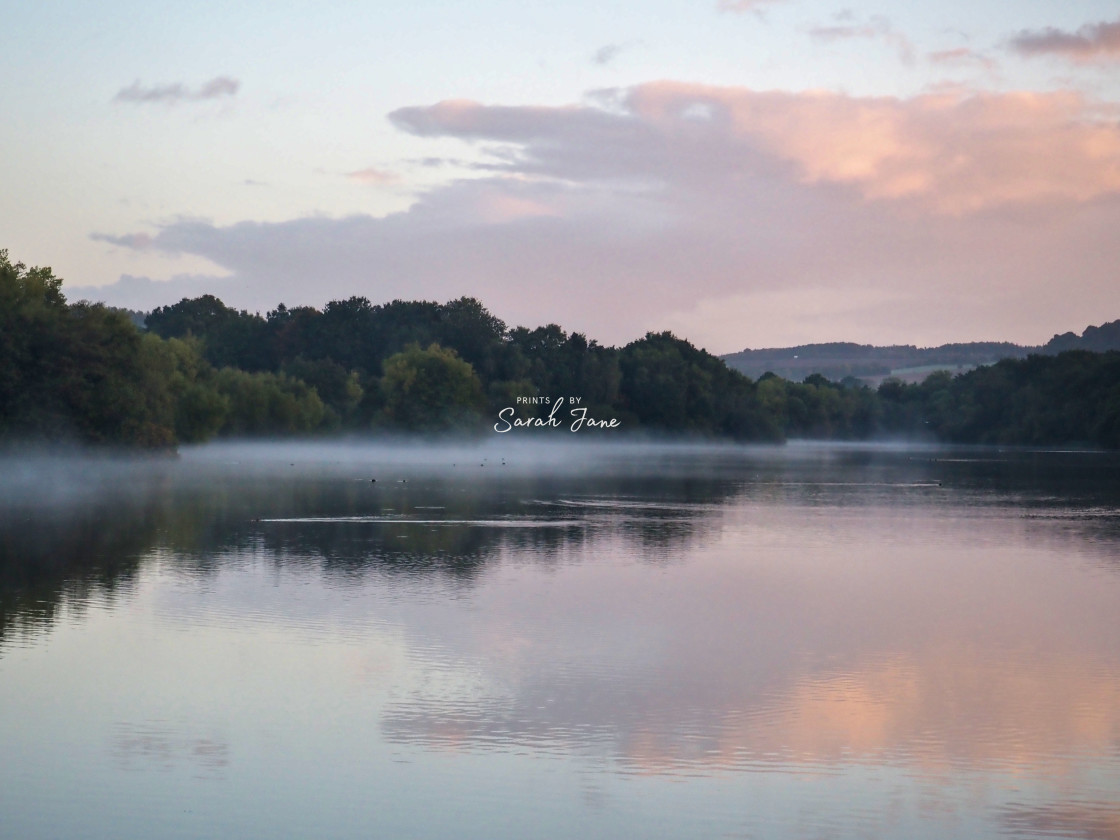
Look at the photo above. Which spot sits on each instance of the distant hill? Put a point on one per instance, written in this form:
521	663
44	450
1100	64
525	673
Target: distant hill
839	360
1098	339
871	364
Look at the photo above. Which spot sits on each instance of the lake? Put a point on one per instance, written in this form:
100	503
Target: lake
560	641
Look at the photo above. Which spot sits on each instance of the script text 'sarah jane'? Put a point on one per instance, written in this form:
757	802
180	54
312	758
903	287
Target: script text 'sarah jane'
507	422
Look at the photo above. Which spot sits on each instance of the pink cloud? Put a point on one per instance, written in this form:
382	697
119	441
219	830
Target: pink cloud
739	6
962	56
954	153
369	175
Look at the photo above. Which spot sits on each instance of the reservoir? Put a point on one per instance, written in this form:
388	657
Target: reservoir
519	640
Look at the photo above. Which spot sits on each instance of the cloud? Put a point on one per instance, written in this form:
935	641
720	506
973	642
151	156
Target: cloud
740	6
1092	42
172	94
218	86
879	28
144	293
962	56
799	216
605	55
135	241
608	53
953	153
369	175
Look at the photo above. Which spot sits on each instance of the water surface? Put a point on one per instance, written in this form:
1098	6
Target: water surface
513	641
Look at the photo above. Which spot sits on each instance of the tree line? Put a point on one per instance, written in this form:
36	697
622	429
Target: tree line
199	369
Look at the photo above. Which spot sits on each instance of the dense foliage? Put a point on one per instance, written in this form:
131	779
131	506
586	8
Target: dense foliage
74	371
87	373
1073	397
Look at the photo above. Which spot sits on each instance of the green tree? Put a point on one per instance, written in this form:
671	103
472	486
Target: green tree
229	337
268	404
339	389
430	389
73	371
189	400
667	383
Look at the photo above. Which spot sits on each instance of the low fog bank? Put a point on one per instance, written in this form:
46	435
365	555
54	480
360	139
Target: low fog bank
32	480
50	476
496	457
512	456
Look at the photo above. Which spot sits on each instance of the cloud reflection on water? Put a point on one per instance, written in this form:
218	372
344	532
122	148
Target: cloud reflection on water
705	615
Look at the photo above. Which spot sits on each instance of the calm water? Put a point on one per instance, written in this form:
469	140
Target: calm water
805	642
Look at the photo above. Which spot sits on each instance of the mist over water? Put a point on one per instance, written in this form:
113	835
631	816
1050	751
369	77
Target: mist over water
510	639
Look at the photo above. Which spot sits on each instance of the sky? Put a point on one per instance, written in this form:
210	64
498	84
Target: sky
745	173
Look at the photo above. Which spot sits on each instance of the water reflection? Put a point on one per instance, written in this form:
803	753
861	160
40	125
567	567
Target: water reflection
66	557
71	529
756	659
846	631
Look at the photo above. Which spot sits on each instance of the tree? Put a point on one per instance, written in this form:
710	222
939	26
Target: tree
667	383
430	390
467	327
268	404
229	337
